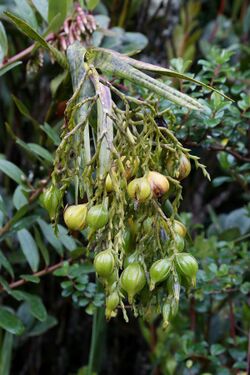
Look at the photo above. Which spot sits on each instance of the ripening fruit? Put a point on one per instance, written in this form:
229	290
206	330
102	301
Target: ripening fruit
131	167
139	189
133	280
187	265
159	271
112	302
97	216
159	184
184	167
180	228
75	216
51	200
104	263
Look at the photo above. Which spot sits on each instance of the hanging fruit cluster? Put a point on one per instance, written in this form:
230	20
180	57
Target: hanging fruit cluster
126	169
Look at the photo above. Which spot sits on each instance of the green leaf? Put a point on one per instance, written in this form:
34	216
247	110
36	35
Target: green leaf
29	248
119	65
42	247
3	43
25	11
51	133
23	109
6	264
31	278
6	353
34	302
42	327
5	68
12	171
40	151
19	199
217	349
36	150
10	322
245	287
58	7
33	34
92	4
65	239
50	236
42	7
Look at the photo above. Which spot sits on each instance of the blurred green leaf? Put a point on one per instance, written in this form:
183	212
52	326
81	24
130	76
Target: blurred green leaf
12	171
3	43
51	133
29	248
42	327
92	4
6	354
58	7
6	264
34	302
10	322
5	68
19	199
42	7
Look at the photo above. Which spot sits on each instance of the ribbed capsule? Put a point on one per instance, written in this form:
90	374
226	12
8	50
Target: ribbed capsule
133	280
51	200
187	265
104	263
180	228
159	271
75	216
97	216
139	189
158	182
112	302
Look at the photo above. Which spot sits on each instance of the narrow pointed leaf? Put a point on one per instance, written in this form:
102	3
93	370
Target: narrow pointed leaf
10	322
109	63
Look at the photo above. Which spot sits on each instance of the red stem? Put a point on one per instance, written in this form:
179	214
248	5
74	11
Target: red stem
40	273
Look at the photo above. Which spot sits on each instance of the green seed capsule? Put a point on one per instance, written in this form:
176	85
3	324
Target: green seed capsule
180	228
187	265
179	243
131	258
128	241
159	271
112	302
104	263
166	313
139	189
51	200
97	216
75	216
133	280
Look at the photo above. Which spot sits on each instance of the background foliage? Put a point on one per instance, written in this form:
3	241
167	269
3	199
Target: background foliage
47	301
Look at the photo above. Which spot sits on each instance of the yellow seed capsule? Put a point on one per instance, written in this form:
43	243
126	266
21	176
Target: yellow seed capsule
75	216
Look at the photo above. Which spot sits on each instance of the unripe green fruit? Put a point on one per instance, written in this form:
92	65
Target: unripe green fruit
112	302
158	182
159	271
166	314
75	216
104	263
133	280
108	184
139	189
97	216
51	200
131	258
187	265
128	240
179	243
